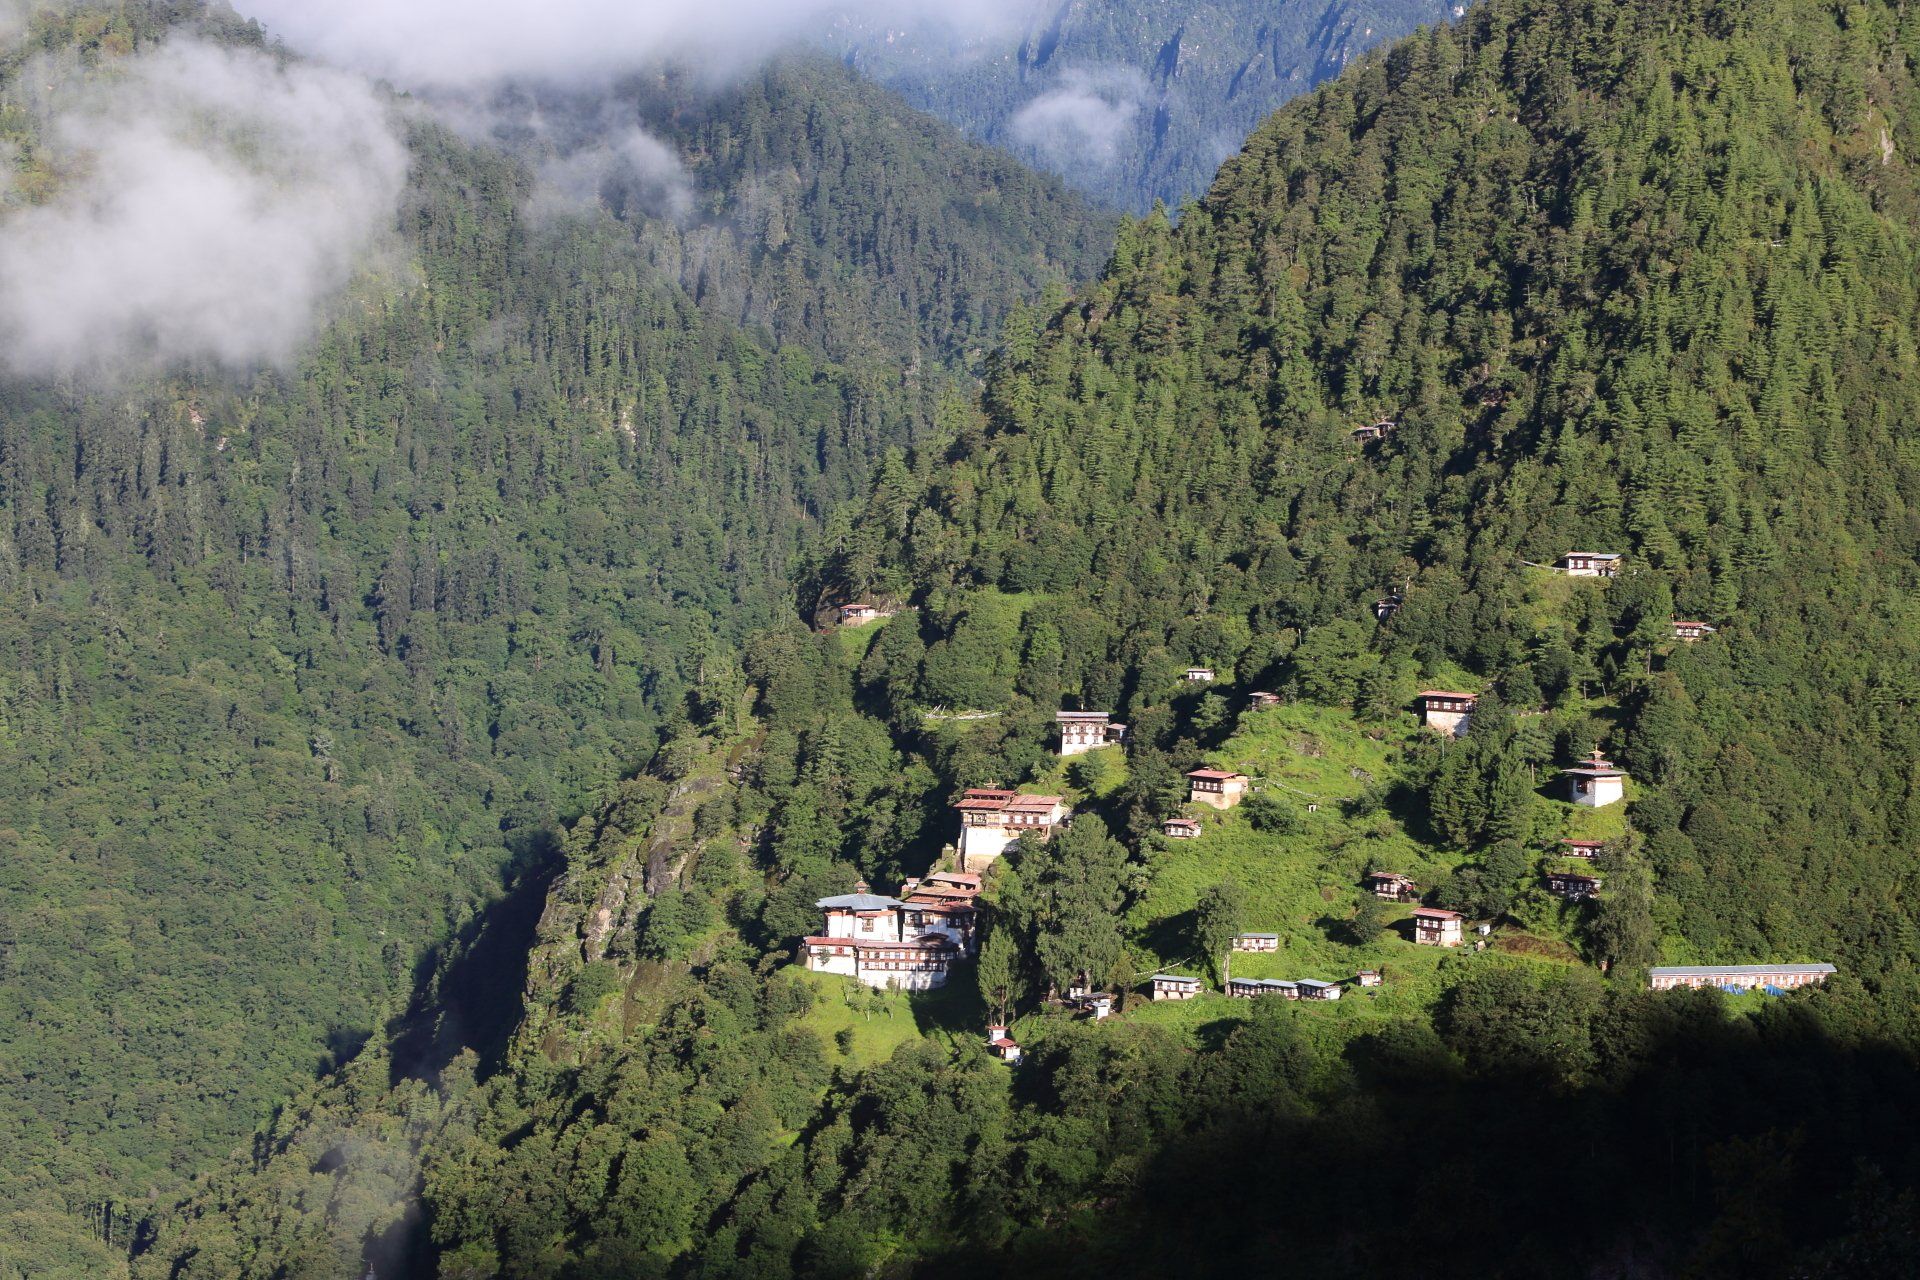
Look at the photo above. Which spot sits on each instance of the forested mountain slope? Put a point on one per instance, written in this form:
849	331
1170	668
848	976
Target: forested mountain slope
1620	290
304	663
1131	102
1638	278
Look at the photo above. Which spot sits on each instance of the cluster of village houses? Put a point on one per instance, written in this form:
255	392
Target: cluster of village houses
1179	986
912	942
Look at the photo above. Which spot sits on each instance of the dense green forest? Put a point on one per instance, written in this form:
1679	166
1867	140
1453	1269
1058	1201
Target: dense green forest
1130	102
306	665
1638	277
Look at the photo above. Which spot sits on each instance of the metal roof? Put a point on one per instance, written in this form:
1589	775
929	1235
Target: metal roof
1743	970
859	902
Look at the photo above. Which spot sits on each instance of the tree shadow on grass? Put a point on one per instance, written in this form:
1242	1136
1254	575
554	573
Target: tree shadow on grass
1172	936
954	1009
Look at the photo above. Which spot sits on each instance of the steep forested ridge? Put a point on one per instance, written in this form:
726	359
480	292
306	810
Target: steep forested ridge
1146	98
1620	288
303	664
1637	277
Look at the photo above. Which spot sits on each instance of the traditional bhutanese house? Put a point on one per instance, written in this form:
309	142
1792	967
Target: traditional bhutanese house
1314	989
1199	674
1368	978
1098	1006
1588	849
1572	886
1391	885
1743	977
1595	783
1086	730
863	612
1435	927
1386	606
1445	711
1002	1045
1248	988
1589	564
1218	788
1257	942
1181	829
1261	700
1691	631
1377	431
991	819
1174	986
944	902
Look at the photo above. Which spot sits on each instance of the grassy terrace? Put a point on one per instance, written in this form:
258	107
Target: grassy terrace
861	1026
1302	885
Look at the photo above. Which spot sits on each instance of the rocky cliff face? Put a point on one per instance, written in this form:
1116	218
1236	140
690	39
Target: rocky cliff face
1133	102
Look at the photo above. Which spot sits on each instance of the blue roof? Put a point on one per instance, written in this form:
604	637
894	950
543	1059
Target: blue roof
1173	977
860	902
1312	982
1260	935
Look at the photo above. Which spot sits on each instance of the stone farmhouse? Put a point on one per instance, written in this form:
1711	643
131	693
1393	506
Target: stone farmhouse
1446	711
1216	788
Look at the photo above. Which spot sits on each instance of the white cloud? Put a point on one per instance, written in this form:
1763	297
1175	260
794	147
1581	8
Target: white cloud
211	202
626	167
1086	118
422	44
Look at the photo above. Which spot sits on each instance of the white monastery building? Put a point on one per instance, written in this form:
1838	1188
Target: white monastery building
908	944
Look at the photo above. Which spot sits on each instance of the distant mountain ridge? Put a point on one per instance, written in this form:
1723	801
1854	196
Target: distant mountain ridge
1135	101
